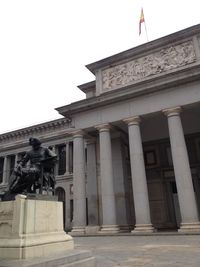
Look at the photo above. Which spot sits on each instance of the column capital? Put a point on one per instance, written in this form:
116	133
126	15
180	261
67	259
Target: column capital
132	120
104	127
78	133
90	141
172	111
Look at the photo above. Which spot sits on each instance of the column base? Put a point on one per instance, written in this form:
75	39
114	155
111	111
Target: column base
143	228
109	229
92	229
125	228
189	227
77	230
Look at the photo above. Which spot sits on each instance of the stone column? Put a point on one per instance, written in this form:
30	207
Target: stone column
91	188
5	170
107	185
16	158
186	196
139	181
79	192
121	185
67	158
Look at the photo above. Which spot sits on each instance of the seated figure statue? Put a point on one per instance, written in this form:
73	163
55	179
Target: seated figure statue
34	171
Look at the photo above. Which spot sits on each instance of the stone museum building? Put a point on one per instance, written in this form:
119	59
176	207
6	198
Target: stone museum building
129	153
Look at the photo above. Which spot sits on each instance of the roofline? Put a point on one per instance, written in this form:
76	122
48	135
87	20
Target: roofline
37	127
137	51
153	84
87	86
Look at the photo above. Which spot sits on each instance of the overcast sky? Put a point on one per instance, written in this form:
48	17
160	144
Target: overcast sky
45	45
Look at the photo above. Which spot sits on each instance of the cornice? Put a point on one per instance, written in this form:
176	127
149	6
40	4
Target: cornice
36	130
90	86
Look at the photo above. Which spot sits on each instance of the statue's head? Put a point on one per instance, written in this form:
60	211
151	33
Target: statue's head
34	142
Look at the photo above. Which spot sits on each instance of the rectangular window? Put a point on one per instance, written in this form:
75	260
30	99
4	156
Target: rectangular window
61	159
151	156
71	209
71	157
1	169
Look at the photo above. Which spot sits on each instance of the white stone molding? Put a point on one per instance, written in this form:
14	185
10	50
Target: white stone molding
132	120
135	70
175	111
104	127
77	133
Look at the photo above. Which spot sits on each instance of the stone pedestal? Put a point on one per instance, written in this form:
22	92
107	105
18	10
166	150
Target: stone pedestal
31	231
32	228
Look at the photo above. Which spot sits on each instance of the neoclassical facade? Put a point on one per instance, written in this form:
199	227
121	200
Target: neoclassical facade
129	154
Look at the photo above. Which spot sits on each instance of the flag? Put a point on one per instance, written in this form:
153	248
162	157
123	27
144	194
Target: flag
141	20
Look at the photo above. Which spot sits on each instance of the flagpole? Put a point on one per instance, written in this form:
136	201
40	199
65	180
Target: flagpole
146	31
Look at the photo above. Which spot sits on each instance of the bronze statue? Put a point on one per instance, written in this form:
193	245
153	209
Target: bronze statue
34	172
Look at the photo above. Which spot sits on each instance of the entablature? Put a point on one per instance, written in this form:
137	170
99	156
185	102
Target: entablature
47	132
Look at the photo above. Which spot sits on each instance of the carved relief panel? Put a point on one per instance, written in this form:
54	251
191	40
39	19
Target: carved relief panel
156	63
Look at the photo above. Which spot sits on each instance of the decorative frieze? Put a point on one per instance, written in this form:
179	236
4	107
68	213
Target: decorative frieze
138	69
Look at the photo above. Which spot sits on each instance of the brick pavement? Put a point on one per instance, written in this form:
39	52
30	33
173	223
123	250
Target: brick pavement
143	251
